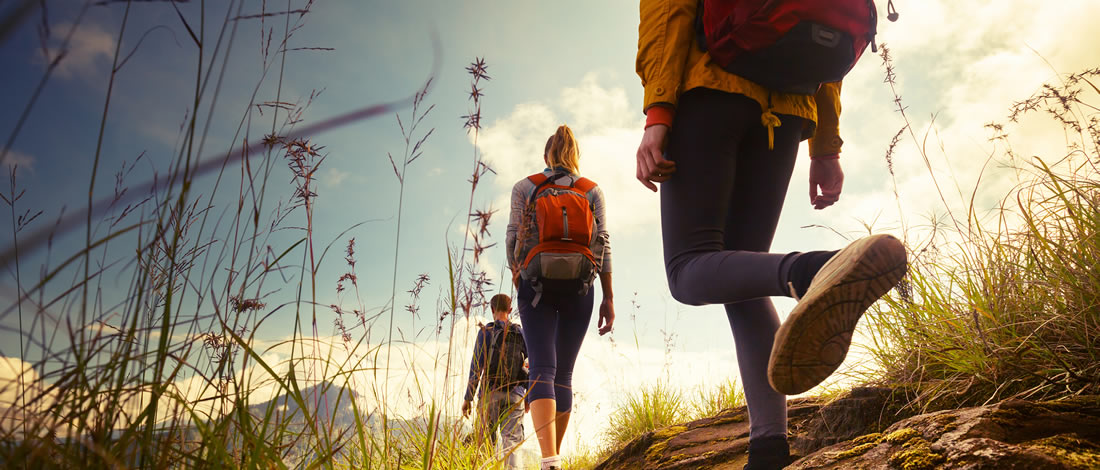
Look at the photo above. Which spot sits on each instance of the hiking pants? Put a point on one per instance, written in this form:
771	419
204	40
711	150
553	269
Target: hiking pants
718	216
553	331
503	410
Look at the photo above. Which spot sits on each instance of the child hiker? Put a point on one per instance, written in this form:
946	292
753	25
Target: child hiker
497	365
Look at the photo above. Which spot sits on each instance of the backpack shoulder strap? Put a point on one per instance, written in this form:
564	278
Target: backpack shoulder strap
540	180
584	185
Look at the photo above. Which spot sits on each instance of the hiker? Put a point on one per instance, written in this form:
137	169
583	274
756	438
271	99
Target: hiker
723	147
557	245
498	366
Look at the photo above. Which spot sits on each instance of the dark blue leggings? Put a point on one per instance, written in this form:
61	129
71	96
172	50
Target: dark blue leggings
719	213
554	331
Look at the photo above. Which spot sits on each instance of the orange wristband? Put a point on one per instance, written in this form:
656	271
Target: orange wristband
835	156
659	114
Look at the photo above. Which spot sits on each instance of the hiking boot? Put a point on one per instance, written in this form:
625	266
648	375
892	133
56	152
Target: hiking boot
768	453
814	340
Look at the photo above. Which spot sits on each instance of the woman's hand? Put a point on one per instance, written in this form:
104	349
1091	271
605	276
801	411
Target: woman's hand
652	165
826	175
607	316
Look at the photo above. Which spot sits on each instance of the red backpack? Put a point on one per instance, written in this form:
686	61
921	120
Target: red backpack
554	245
789	46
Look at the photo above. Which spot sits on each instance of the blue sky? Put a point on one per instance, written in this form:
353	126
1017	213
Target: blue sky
551	63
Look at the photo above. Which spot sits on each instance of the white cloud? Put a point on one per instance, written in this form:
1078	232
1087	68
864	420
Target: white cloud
608	130
89	52
19	160
334	176
14	374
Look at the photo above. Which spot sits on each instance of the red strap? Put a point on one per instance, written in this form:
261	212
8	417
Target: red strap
584	185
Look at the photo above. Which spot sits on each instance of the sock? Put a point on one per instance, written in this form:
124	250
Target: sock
803	268
548	463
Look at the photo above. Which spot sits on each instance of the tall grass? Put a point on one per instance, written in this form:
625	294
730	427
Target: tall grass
1007	306
145	346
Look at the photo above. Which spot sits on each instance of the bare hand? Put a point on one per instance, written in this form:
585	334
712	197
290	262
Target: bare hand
827	176
466	409
607	316
652	165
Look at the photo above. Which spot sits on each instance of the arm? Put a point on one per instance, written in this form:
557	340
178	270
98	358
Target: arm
607	307
515	218
602	242
826	140
477	363
666	35
826	176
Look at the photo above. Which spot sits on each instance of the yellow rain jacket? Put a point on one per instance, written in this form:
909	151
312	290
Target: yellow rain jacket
669	63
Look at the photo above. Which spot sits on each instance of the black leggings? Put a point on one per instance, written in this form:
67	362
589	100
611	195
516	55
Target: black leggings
553	331
719	212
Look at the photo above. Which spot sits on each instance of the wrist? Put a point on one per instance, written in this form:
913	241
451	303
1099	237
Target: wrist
831	156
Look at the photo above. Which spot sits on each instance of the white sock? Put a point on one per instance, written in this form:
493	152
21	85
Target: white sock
548	462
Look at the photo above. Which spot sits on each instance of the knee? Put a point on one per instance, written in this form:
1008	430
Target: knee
680	289
542	374
542	383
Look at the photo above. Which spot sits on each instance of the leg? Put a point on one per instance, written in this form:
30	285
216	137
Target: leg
575	317
561	422
760	187
511	430
494	410
540	326
710	130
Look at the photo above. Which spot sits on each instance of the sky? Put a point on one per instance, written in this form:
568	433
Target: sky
959	66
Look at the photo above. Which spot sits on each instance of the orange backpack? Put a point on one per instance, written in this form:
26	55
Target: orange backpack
554	246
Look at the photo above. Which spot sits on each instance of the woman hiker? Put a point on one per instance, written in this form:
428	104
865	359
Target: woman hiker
723	149
557	245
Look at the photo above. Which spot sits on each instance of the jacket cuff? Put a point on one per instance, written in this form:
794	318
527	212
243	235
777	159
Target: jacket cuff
660	93
825	145
660	114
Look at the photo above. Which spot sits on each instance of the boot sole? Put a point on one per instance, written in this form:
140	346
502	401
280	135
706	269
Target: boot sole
814	340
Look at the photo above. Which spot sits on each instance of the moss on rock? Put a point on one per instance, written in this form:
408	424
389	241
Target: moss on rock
662	434
901	436
916	455
1069	449
854	451
875	437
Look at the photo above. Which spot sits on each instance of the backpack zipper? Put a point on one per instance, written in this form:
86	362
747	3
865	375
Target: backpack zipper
565	224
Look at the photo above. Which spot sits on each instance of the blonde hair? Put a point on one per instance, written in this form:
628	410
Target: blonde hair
562	151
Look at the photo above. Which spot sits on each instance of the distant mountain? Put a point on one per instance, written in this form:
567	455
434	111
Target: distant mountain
326	403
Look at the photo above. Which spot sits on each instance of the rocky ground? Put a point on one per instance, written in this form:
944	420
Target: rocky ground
869	429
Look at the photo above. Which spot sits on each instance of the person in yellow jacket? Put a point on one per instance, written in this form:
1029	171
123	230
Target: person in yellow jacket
723	149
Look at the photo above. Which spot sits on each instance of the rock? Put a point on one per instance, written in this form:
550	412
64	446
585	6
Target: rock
862	410
874	433
719	442
1013	434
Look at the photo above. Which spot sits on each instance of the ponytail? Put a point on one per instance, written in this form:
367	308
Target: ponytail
562	151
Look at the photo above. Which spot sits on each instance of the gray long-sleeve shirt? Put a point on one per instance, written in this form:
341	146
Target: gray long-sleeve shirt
521	193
